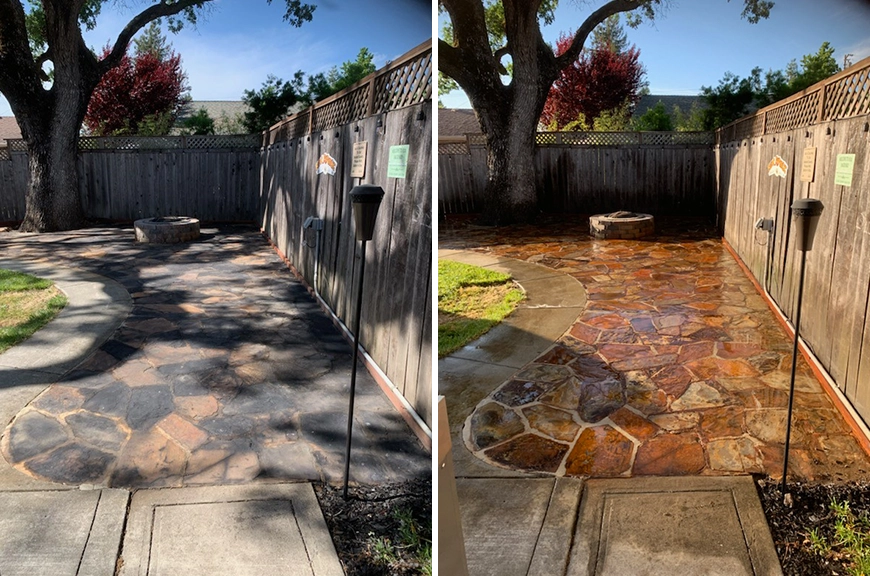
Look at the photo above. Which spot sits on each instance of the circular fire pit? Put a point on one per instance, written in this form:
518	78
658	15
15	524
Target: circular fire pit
166	230
621	225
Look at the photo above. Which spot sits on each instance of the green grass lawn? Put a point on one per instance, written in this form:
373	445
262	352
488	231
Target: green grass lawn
27	303
471	300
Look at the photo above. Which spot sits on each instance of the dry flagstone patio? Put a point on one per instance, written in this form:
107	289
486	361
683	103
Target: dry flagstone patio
226	371
675	367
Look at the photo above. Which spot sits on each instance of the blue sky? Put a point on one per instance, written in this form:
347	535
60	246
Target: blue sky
696	41
239	42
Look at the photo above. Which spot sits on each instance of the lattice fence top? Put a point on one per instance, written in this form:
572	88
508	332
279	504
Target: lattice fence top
603	139
208	142
453	148
844	95
623	138
848	96
16	145
404	85
399	84
4	154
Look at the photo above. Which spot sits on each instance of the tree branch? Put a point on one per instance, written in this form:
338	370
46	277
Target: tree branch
498	55
138	22
16	60
594	19
471	62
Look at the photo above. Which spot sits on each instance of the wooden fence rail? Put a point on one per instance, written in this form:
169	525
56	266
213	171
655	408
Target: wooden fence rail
834	121
583	172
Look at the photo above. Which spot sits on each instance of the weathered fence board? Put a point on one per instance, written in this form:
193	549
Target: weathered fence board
397	293
673	179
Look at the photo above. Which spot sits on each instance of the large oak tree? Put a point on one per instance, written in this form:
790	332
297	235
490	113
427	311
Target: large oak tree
482	33
50	108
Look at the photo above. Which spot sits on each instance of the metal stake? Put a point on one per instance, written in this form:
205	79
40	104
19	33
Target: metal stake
797	327
362	269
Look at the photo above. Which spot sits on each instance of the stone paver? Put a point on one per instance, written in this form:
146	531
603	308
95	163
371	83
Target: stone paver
676	366
226	371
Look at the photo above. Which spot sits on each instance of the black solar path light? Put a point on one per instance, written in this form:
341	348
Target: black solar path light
365	199
805	213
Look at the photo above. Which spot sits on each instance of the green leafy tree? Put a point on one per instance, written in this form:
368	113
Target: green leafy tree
198	124
40	34
611	35
230	124
614	120
736	97
473	50
733	98
691	120
655	119
152	41
338	78
270	103
814	68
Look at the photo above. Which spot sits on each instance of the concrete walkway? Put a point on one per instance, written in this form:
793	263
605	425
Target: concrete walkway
269	522
519	522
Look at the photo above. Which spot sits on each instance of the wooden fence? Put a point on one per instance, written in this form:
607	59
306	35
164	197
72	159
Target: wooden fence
586	172
397	306
213	178
832	118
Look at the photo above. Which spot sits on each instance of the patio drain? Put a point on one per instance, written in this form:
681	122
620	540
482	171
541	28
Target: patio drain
166	230
621	225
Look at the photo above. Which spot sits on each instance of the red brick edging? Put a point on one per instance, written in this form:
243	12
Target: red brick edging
818	370
386	387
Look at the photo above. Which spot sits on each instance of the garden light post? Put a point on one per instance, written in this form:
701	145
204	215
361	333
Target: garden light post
805	212
365	199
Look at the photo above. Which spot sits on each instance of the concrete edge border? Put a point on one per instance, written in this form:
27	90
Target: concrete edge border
97	307
561	311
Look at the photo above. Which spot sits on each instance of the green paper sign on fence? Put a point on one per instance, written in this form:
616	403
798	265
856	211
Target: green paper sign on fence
398	165
845	167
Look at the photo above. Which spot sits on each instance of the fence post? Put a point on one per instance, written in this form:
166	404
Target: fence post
311	119
370	98
821	110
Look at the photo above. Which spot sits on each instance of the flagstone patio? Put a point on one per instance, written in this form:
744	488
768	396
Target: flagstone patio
226	371
675	367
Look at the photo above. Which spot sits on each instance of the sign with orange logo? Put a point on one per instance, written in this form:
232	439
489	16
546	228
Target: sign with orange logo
326	164
777	167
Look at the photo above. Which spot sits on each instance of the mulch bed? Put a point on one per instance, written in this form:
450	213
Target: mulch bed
369	514
810	509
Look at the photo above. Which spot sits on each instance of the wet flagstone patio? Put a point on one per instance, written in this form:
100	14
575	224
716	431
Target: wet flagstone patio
226	371
676	366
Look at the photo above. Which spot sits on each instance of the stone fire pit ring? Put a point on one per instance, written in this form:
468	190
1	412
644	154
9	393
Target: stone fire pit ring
166	230
621	225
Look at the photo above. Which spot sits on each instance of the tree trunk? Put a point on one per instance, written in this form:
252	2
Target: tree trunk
511	190
53	201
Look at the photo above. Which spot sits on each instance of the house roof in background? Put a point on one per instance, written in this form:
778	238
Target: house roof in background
457	122
214	108
9	129
684	102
